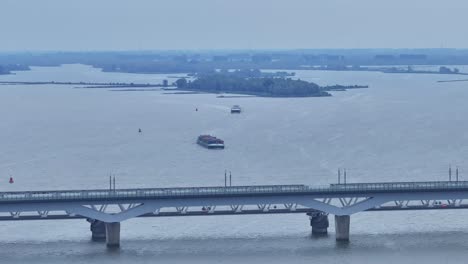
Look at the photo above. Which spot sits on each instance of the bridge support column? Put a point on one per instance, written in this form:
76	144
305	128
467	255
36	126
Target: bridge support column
113	235
342	227
98	230
319	223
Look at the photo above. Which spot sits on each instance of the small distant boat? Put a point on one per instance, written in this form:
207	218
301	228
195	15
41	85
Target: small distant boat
210	142
235	109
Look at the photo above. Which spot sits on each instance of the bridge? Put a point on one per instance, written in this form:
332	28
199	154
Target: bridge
106	208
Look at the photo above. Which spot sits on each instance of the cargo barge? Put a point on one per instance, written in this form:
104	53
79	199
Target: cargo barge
210	142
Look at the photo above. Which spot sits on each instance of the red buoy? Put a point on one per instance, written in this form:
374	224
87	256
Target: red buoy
11	180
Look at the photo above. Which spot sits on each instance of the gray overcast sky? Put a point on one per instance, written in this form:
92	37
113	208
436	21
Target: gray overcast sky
240	24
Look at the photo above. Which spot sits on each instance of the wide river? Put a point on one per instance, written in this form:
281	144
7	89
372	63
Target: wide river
403	128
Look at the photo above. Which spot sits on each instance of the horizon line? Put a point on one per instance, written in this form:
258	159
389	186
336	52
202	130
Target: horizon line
219	50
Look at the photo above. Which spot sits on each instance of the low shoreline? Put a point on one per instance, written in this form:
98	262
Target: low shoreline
134	90
235	96
121	86
448	81
86	84
141	87
248	94
334	88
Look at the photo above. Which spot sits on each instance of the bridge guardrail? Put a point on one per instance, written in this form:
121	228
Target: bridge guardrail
232	190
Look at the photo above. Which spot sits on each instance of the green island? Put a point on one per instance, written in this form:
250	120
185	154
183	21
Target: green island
263	86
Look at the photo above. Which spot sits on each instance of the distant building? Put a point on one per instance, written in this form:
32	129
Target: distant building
239	57
384	57
180	58
311	58
259	58
413	56
331	60
220	58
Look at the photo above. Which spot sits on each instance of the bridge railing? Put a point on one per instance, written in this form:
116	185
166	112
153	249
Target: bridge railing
153	193
363	188
397	186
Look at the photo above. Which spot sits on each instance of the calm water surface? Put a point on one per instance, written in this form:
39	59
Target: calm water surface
403	128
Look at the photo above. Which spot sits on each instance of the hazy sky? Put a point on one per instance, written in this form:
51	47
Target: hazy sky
238	24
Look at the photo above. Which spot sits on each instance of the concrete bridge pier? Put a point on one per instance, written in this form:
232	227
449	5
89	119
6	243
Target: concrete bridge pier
113	235
319	223
98	230
342	227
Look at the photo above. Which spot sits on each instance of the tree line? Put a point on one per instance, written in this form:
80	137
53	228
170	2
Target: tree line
274	87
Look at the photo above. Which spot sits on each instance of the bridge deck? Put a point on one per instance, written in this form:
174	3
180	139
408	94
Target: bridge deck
200	192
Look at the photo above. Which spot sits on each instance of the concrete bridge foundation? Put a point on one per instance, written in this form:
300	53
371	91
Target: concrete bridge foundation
342	227
98	230
319	223
113	235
